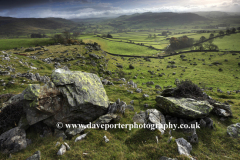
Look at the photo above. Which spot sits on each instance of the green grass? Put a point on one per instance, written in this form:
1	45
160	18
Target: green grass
137	143
122	48
23	42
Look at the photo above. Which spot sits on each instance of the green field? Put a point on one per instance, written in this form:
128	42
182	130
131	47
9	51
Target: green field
23	42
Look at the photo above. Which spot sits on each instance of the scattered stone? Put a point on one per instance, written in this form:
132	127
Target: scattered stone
130	107
79	138
117	107
222	109
145	96
158	87
209	122
145	105
131	66
170	139
193	138
105	139
62	150
106	118
67	146
119	66
59	133
184	148
138	90
202	123
35	156
234	130
57	144
70	132
29	49
153	116
166	158
13	140
132	102
150	83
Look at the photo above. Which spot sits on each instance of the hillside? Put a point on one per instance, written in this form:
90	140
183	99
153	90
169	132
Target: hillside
23	26
150	19
124	143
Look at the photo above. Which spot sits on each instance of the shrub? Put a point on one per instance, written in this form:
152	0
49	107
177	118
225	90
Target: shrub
188	89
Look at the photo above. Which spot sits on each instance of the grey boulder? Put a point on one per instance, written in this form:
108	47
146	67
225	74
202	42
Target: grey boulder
151	116
184	107
13	140
234	130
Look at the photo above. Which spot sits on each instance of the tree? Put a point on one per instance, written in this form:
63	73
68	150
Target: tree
164	33
211	38
202	39
233	30
67	34
228	31
58	38
213	47
198	46
238	29
75	35
221	33
109	36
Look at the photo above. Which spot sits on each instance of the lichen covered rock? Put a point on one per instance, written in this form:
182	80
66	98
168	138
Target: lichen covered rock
72	97
184	107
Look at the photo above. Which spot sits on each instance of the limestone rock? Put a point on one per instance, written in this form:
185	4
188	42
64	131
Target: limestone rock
13	140
104	119
106	139
35	156
234	130
59	133
222	110
70	132
62	150
184	107
72	97
151	116
166	158
184	147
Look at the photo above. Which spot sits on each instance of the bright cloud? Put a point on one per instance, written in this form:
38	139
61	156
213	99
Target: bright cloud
103	8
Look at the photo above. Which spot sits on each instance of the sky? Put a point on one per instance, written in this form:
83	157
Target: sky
70	9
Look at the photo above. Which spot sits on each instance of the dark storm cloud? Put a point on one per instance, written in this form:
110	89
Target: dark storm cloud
9	4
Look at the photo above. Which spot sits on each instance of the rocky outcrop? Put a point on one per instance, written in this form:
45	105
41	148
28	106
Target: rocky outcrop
184	107
72	97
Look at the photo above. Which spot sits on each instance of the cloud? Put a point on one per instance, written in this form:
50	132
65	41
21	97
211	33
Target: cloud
236	1
102	8
9	4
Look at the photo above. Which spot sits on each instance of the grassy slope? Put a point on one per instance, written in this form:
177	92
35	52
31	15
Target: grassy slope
23	42
139	143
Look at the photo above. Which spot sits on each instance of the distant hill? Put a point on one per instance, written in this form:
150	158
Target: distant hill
21	26
217	14
150	19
